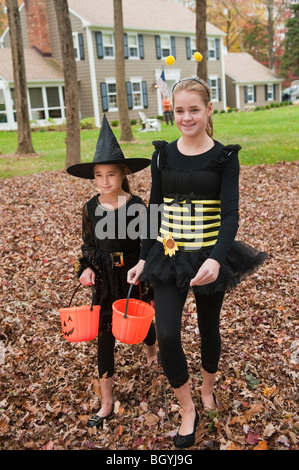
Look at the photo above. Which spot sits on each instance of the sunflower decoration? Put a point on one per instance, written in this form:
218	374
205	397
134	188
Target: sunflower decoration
170	246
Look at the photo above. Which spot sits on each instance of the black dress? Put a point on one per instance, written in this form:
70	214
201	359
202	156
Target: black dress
111	246
200	198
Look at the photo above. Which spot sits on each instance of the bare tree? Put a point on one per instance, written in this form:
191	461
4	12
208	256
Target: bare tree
120	74
20	87
70	82
201	38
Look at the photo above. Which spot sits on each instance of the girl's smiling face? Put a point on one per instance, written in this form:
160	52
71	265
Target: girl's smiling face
190	113
109	179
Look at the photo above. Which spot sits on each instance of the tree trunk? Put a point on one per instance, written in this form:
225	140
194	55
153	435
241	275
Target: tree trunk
270	8
20	86
70	83
120	74
201	38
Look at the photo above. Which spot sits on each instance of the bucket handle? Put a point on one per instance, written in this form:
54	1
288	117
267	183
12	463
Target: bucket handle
92	298
128	297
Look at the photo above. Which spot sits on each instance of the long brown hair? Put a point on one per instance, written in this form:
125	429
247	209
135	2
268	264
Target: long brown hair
200	87
125	184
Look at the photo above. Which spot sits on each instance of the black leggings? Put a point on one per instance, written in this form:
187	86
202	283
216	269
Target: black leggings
169	303
106	343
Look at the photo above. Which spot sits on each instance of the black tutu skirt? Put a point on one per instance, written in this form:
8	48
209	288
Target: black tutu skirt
241	261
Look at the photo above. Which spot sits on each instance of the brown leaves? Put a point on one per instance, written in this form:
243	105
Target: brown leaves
50	386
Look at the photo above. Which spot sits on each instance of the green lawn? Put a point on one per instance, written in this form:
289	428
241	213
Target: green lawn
265	136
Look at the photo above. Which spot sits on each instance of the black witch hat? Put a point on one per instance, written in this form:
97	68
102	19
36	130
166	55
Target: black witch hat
107	151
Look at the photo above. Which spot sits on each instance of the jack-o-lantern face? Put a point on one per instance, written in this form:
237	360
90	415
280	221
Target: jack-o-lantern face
66	325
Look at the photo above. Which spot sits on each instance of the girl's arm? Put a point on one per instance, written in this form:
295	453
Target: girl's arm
86	265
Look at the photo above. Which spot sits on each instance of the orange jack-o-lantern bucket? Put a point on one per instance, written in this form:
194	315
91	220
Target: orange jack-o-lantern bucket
80	323
131	319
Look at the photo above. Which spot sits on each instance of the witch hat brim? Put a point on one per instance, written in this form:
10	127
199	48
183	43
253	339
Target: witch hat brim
107	151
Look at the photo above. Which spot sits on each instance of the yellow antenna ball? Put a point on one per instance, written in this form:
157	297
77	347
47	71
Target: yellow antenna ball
197	56
170	60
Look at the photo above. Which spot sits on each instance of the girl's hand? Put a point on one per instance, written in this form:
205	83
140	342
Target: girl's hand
207	273
134	273
88	277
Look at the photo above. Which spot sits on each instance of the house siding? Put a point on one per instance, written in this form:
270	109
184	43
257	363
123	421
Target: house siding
230	92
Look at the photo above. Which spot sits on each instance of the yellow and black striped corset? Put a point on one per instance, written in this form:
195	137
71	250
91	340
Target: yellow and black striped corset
192	223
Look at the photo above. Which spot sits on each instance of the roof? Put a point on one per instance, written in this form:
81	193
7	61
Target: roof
243	68
142	15
38	68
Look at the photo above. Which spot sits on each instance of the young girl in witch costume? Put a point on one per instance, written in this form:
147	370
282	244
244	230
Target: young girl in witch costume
195	179
110	248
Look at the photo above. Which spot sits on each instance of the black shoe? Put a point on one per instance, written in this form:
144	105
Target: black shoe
96	420
189	439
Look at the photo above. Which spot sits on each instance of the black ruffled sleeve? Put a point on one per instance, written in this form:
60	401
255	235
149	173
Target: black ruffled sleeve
88	248
156	198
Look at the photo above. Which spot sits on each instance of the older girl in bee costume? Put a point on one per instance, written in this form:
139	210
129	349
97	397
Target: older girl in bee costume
109	249
195	179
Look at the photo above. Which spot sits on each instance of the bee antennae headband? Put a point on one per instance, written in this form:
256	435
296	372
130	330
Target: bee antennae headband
196	80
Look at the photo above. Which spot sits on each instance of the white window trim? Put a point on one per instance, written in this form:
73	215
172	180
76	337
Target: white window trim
45	107
137	47
165	36
272	91
108	57
76	46
212	49
110	81
214	77
250	100
137	80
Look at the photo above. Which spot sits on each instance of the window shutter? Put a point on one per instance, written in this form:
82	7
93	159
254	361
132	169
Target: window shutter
144	94
172	42
141	48
188	48
217	42
245	94
266	92
219	89
129	95
158	47
104	94
254	93
99	43
126	48
81	46
274	91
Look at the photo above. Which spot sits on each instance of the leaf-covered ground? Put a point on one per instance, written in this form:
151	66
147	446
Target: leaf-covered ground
49	386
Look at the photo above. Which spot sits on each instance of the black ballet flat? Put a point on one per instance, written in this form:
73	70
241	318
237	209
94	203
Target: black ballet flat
97	421
188	440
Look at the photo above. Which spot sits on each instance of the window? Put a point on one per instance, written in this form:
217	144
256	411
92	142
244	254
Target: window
53	102
137	94
193	46
133	46
212	48
165	46
37	104
112	97
270	92
46	102
78	46
108	44
3	115
250	94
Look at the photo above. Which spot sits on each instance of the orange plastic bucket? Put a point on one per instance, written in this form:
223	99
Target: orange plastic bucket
131	319
80	323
